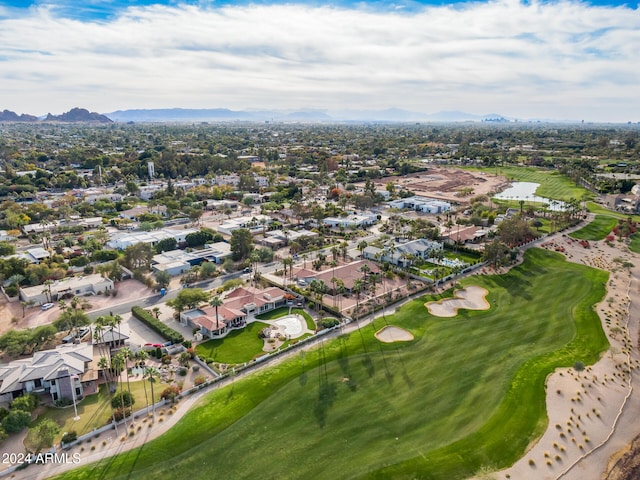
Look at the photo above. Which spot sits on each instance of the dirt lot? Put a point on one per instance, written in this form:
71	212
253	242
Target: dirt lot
445	183
11	313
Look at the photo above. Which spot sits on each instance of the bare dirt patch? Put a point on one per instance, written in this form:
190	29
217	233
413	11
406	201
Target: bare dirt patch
391	334
446	183
471	298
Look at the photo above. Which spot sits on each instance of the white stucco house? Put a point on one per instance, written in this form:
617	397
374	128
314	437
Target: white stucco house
73	286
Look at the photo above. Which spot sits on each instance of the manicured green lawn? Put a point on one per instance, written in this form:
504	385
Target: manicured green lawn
634	245
467	392
553	185
238	347
281	312
469	257
95	410
597	229
598	209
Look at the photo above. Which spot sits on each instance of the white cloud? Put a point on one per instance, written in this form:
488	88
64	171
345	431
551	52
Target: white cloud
561	60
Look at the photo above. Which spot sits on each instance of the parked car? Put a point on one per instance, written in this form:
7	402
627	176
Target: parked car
47	306
247	270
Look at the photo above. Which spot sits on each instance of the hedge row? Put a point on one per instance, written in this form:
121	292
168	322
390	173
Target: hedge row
156	325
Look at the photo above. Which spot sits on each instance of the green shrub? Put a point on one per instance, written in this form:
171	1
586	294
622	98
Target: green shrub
156	325
63	402
122	398
119	414
170	393
11	291
330	322
16	421
69	437
27	402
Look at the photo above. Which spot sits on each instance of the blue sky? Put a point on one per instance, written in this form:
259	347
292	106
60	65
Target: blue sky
554	60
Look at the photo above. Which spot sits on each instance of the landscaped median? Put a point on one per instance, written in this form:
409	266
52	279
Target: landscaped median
467	394
156	325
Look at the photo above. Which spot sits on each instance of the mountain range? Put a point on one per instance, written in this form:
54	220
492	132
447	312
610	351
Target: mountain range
81	115
75	115
311	115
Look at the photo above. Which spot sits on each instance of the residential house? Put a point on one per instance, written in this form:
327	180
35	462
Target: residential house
135	212
256	224
467	234
211	326
351	221
72	286
113	339
421	204
234	312
177	262
402	254
126	239
67	371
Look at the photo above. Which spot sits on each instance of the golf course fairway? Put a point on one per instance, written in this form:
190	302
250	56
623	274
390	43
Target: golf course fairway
467	393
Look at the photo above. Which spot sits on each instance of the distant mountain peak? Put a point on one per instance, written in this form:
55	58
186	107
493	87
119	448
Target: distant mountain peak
9	116
78	115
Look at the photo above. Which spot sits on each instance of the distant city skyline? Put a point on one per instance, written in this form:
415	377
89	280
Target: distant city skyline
556	60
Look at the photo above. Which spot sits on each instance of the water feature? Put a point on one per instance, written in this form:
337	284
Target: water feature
527	191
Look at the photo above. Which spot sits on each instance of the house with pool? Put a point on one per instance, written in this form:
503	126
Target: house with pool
238	308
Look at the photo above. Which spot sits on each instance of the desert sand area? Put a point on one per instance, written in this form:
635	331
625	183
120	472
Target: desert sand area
391	334
593	413
470	298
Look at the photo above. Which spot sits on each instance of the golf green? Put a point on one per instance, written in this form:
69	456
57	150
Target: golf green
467	393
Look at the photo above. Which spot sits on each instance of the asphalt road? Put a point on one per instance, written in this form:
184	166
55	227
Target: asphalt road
156	299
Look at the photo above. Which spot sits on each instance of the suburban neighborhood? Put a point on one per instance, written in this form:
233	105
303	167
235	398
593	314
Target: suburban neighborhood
133	280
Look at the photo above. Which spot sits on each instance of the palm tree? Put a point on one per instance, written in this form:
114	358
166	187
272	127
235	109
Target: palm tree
47	290
117	365
127	354
16	279
103	364
141	356
455	270
365	269
216	302
361	246
117	320
341	290
321	289
334	280
343	250
151	373
358	285
288	263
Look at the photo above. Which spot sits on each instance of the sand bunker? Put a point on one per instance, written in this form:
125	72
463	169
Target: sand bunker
390	334
471	298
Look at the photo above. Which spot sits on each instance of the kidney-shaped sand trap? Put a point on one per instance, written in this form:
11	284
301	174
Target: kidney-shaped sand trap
471	297
390	334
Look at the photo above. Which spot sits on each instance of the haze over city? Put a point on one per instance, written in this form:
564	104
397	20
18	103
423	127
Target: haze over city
533	60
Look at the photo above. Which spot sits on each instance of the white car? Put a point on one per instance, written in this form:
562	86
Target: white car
47	306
